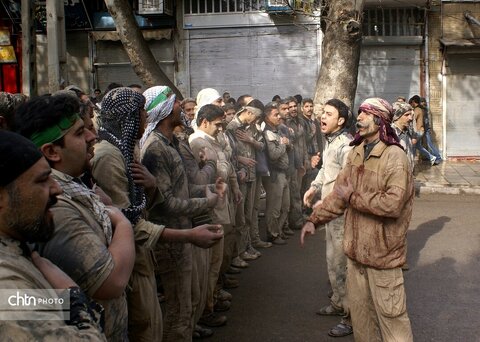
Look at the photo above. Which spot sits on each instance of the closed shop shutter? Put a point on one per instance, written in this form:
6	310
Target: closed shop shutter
388	72
113	64
463	105
260	61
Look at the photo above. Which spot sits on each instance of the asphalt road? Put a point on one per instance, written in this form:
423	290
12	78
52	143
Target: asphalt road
280	292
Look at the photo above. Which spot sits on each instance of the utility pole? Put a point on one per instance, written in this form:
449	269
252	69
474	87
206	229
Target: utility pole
29	49
56	42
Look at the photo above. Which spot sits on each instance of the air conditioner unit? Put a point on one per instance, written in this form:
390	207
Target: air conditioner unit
280	6
155	7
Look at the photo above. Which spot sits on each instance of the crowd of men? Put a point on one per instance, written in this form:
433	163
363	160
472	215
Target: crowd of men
140	198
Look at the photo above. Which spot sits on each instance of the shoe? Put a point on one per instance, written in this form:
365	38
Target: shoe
230	283
201	332
288	231
233	270
253	251
279	241
221	306
433	159
330	294
213	320
247	256
223	295
285	237
340	330
262	244
329	310
238	262
405	267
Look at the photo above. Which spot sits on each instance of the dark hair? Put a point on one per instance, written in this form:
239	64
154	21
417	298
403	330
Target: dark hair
231	100
209	112
276	98
298	97
307	100
187	100
291	99
285	101
268	109
96	89
256	104
343	111
113	85
415	99
43	112
228	106
241	100
134	85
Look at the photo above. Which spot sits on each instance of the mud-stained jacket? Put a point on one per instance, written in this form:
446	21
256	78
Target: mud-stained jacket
379	209
18	272
297	139
334	157
79	247
182	200
200	141
242	149
276	151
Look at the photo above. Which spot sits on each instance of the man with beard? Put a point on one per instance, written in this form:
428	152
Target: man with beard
27	193
335	122
91	243
182	267
375	190
117	171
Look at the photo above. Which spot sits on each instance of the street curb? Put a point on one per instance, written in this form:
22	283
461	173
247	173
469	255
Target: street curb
446	189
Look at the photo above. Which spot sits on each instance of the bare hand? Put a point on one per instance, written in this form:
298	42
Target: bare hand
54	275
308	228
315	160
212	198
103	196
141	176
307	198
207	154
247	161
344	191
220	187
242	175
116	216
237	196
284	140
301	171
241	135
206	235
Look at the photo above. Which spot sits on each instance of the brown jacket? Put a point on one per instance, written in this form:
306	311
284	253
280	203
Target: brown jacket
379	209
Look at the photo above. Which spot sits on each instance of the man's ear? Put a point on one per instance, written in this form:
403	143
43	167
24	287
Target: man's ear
341	121
51	152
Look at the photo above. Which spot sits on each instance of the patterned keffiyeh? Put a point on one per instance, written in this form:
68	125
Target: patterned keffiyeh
159	104
383	110
119	125
77	191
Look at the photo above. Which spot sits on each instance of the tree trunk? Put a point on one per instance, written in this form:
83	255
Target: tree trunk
340	53
141	57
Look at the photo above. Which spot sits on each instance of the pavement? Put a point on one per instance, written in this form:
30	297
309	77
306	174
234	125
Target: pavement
452	177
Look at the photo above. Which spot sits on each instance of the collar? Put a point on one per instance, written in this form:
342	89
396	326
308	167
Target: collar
13	247
330	137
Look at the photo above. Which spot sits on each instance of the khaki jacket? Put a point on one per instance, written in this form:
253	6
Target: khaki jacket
379	209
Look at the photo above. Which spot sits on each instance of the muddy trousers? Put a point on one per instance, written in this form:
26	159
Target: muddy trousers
336	262
377	303
277	203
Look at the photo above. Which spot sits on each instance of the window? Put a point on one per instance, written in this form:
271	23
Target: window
393	22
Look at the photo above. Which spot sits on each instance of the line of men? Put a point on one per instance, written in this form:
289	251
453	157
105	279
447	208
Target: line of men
175	179
116	227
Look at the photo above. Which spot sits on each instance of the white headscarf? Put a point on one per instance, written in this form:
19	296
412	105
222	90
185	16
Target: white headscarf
159	104
204	97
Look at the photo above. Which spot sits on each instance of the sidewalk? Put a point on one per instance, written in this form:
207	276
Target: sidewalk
450	177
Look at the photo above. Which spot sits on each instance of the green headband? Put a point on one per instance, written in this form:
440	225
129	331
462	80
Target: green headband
54	132
162	97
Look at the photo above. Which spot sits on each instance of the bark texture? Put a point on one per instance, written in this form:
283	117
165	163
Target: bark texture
340	53
141	58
